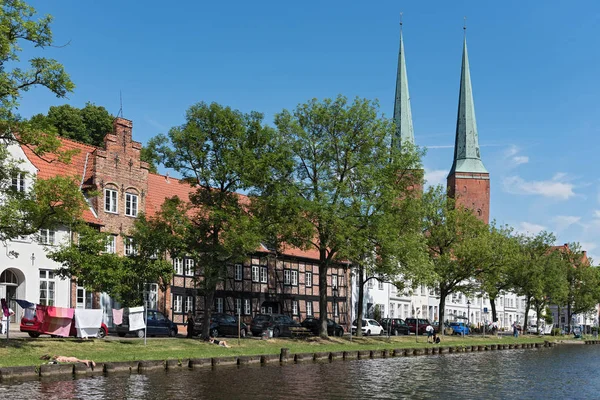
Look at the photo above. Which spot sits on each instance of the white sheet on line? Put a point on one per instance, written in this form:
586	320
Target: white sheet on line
87	322
136	318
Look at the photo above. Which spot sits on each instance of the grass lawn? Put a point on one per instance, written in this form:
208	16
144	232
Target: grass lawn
27	351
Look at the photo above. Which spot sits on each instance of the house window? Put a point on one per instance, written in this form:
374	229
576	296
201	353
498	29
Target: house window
255	276
219	304
151	295
391	310
238	306
294	278
238	273
189	267
110	200
340	280
335	310
309	309
18	182
46	236
178	266
129	247
308	278
131	205
334	281
177	300
84	299
247	307
294	307
380	285
287	277
406	314
189	303
263	274
370	284
47	285
111	244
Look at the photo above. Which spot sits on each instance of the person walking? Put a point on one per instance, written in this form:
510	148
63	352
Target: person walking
190	325
430	332
515	330
5	319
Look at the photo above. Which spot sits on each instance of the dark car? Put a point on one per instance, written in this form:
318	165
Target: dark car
412	323
221	325
395	326
333	328
279	323
157	324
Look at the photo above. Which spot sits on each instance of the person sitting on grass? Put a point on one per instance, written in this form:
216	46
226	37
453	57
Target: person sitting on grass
218	342
63	359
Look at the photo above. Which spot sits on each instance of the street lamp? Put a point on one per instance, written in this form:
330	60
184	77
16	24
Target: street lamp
334	291
468	312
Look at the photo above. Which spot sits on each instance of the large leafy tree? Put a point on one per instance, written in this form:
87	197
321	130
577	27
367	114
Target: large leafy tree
451	234
49	202
538	275
220	152
339	184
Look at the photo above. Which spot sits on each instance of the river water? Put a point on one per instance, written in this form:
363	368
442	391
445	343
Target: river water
563	372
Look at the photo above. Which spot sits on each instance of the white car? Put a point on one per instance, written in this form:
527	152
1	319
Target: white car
369	327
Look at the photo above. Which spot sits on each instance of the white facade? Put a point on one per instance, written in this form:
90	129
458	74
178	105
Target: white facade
25	271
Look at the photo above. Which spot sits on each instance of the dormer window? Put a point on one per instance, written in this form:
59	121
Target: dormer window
110	200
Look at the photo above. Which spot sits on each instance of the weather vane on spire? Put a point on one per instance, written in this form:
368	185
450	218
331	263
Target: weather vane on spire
401	19
465	24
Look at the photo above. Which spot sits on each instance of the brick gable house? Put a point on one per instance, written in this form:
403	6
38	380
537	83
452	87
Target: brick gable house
279	282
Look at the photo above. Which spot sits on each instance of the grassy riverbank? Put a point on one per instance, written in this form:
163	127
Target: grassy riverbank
18	352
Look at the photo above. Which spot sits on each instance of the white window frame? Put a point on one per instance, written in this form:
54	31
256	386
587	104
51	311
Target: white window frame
294	307
178	266
219	304
189	266
238	272
48	287
379	284
370	284
334	281
131	204
294	278
111	244
189	303
47	237
111	201
309	308
177	303
255	273
336	310
263	275
308	278
151	295
287	277
129	247
247	308
18	182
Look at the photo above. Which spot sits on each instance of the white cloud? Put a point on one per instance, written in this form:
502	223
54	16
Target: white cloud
434	177
511	151
588	246
511	154
530	228
596	213
564	221
441	146
518	160
555	188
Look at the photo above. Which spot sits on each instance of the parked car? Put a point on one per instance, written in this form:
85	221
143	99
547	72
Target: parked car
395	326
33	327
459	328
412	323
533	329
279	323
333	328
221	325
369	327
157	324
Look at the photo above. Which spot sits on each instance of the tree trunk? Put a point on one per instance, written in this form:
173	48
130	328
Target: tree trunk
323	296
361	300
209	297
441	310
493	306
526	317
569	316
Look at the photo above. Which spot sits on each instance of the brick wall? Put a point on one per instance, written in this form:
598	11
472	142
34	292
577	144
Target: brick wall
471	190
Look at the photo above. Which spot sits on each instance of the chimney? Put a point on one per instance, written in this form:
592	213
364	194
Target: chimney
167	177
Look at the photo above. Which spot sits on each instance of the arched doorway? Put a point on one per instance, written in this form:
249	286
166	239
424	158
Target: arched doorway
11	281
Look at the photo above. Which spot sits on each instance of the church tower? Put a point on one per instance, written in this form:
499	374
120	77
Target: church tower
402	115
468	181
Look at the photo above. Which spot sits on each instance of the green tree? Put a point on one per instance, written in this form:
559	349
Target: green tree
451	233
49	202
221	152
496	251
338	184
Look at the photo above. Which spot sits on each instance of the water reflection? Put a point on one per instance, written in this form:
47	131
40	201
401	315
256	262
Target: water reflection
558	373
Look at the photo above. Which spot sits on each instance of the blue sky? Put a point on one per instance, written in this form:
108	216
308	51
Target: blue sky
534	68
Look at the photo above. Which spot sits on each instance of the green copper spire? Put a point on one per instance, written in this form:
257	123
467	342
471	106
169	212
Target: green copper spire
402	114
466	145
